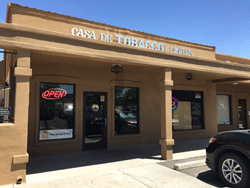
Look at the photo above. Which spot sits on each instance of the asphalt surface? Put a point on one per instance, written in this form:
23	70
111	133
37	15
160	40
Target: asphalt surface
206	175
202	173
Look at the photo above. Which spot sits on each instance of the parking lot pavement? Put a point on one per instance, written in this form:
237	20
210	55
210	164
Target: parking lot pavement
202	173
206	175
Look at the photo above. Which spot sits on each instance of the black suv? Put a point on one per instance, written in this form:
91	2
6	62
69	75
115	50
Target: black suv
228	153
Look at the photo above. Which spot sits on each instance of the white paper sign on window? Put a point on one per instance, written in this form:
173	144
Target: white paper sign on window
223	110
56	134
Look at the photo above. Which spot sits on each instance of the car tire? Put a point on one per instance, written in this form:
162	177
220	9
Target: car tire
233	170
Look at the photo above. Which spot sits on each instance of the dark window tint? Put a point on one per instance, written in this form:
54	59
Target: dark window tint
57	111
187	110
126	110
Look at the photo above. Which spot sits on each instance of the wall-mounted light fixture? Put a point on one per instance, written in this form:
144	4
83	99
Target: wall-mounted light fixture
189	76
116	69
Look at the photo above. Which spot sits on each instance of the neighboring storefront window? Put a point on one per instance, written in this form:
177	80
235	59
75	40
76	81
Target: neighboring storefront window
223	110
57	111
187	110
126	110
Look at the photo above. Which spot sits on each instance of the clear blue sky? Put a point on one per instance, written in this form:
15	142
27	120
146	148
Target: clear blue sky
221	23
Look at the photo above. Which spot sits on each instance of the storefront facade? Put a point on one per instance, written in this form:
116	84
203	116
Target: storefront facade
82	85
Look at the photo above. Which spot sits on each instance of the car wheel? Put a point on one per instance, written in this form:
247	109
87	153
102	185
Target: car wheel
233	170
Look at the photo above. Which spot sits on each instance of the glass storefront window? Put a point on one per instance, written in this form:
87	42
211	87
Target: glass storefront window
57	111
223	110
187	110
126	110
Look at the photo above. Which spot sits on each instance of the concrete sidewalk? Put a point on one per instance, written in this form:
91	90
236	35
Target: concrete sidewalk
125	167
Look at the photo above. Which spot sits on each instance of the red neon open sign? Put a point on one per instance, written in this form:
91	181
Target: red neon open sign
54	93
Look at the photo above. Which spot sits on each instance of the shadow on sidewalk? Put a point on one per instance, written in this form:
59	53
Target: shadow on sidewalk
80	159
211	178
190	145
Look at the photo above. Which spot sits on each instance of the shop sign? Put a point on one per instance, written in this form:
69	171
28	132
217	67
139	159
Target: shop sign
174	103
5	111
56	134
131	41
54	93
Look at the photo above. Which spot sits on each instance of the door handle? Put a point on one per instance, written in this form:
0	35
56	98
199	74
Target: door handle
105	122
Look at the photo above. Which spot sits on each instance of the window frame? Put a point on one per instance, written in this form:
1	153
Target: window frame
138	112
125	83
194	90
35	84
230	109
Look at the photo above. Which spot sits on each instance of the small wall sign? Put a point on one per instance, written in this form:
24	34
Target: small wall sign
56	134
5	111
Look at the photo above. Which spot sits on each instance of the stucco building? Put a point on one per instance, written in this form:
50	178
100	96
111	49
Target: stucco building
73	85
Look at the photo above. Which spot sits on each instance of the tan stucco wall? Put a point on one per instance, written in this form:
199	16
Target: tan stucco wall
64	24
96	76
89	75
231	58
209	102
13	136
240	91
12	143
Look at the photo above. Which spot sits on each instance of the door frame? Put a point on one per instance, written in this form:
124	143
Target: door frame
245	111
104	144
242	95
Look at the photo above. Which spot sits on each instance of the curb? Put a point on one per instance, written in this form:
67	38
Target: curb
187	165
189	154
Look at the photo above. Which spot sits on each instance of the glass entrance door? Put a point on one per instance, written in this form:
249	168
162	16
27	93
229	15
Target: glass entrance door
95	120
242	113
